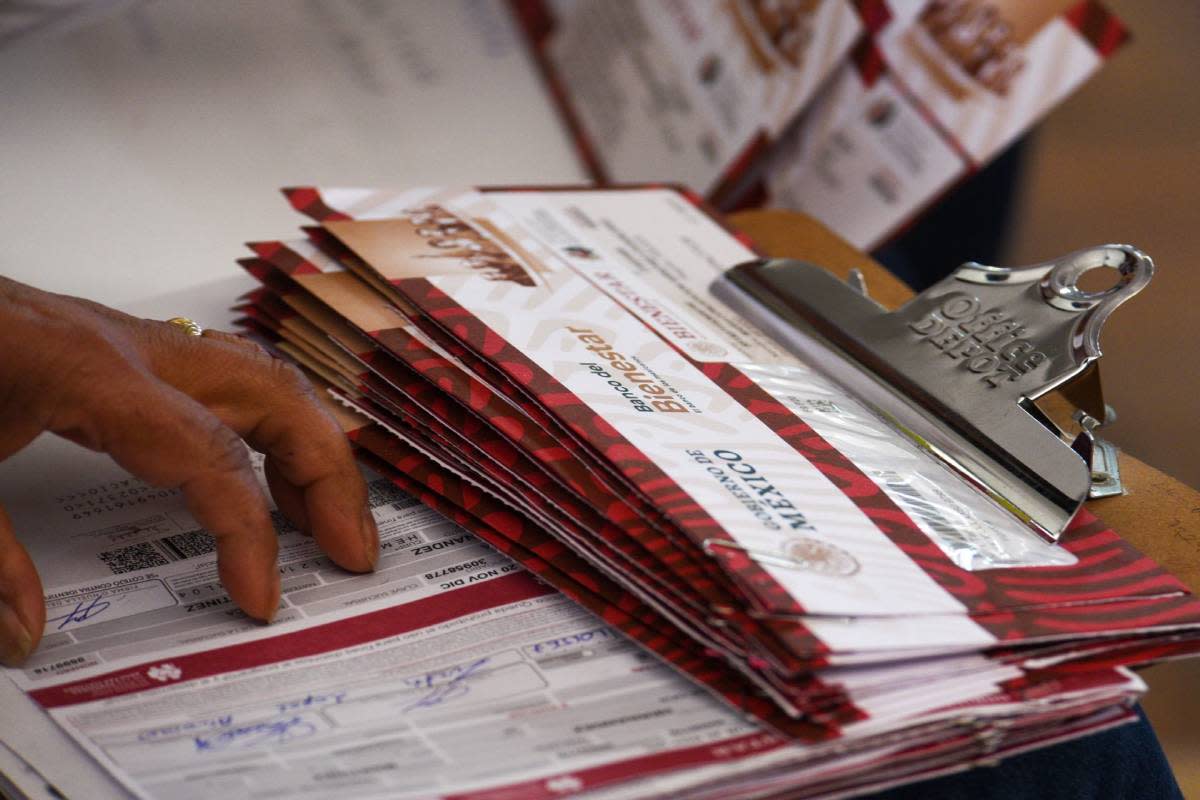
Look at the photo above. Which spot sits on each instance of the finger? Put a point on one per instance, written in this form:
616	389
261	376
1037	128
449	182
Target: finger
168	439
80	379
22	610
311	456
274	408
288	497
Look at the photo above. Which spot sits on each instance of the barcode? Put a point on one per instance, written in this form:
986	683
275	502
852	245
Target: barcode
922	509
383	492
188	545
159	552
142	555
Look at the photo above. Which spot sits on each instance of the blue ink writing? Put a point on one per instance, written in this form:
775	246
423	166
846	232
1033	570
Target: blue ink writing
310	700
443	692
81	612
223	721
278	732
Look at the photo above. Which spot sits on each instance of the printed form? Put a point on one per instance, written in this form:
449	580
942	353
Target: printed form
449	669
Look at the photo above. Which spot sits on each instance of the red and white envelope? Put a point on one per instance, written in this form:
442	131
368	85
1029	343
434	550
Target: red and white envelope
547	368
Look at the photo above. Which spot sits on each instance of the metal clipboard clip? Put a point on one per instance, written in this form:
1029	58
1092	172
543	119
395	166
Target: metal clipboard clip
957	369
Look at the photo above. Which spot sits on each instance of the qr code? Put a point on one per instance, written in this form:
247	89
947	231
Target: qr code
189	544
384	492
133	557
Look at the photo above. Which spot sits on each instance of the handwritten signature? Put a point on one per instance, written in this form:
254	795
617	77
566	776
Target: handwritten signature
81	612
276	731
444	692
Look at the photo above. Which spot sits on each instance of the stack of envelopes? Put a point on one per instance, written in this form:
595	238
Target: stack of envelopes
548	369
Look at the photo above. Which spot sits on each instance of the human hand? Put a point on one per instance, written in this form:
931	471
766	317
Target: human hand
175	410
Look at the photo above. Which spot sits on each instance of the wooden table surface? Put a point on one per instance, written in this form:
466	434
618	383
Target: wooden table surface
1158	514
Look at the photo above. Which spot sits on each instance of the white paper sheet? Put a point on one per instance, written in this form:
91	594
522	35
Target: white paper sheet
141	150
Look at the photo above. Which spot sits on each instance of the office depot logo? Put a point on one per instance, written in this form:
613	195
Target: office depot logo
563	784
165	672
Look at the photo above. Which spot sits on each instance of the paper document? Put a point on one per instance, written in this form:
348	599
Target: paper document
760	587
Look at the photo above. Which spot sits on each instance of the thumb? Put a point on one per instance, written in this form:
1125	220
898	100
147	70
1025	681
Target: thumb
22	611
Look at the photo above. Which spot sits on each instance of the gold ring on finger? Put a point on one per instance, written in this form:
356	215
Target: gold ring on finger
188	326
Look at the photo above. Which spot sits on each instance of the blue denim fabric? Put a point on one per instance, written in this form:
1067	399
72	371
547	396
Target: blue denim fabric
1126	763
969	224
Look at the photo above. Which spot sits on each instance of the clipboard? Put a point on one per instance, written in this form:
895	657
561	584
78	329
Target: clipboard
803	248
1155	512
